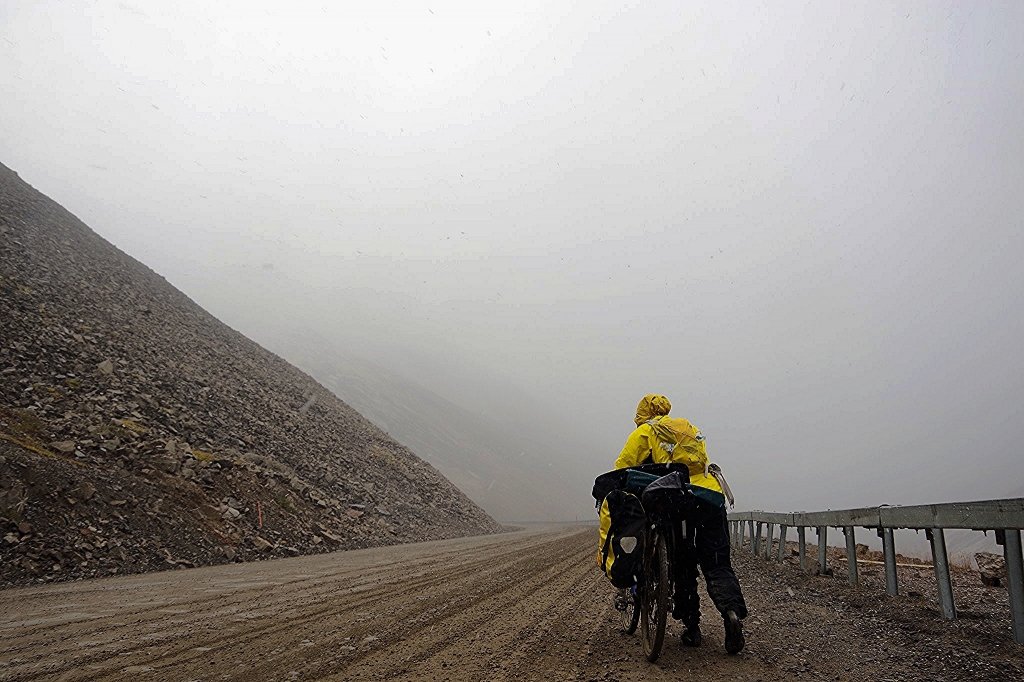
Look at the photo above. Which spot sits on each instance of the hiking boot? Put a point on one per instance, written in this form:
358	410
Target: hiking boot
733	633
622	599
691	636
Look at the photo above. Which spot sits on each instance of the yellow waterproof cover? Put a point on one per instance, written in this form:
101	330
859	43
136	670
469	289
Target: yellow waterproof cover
677	440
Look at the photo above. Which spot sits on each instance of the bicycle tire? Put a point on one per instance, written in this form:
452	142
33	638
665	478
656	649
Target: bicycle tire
655	597
630	617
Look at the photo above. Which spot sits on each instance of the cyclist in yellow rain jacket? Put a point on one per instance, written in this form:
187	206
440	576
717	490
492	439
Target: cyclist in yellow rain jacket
659	438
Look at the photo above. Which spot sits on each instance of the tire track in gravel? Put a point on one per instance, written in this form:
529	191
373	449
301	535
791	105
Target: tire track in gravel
525	606
133	627
193	598
389	612
100	629
489	637
452	606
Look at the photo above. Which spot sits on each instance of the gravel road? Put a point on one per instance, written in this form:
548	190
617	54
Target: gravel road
529	605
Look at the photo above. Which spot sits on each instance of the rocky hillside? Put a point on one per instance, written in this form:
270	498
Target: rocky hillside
137	432
516	457
515	479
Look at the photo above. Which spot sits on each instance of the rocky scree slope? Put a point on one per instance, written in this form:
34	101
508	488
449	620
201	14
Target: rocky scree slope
137	432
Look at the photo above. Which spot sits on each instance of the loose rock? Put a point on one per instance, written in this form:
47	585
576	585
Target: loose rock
146	397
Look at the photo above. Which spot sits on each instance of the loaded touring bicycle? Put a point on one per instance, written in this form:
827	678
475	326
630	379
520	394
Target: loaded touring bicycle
642	521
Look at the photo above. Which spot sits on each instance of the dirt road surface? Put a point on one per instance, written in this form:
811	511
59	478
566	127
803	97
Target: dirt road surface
529	605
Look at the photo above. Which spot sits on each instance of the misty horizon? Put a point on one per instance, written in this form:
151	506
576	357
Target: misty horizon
802	224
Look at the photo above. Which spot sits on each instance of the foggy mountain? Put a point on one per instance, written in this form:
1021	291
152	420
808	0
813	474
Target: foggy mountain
800	222
511	476
519	459
132	417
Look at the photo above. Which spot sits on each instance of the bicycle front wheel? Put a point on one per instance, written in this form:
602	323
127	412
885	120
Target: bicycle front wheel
655	597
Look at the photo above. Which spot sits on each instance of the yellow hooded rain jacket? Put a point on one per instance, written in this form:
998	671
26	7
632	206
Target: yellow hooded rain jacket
659	438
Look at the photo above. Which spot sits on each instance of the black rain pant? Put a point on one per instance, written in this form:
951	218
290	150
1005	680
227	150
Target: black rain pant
707	545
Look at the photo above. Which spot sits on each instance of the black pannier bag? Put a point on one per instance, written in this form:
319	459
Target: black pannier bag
670	496
620	554
621	479
623	519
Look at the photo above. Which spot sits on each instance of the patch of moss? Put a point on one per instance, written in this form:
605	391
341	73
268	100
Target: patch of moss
112	430
25	423
133	426
35	446
388	459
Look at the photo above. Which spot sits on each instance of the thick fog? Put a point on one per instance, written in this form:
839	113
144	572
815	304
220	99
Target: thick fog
803	223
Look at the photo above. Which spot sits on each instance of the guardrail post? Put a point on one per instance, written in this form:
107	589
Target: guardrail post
803	545
822	550
756	545
889	551
768	541
941	561
851	555
1015	581
782	541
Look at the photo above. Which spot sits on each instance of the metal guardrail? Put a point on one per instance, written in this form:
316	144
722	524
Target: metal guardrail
1005	517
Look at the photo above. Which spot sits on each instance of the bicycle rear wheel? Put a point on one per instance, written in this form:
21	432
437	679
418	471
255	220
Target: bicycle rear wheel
654	597
629	618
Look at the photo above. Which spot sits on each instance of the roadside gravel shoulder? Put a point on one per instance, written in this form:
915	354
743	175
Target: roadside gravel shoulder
814	626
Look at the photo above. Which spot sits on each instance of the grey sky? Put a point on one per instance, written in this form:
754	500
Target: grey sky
801	222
